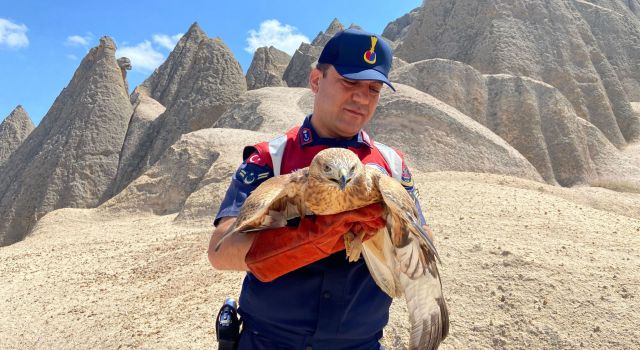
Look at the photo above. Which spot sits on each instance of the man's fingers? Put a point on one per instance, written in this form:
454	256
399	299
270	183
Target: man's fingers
427	229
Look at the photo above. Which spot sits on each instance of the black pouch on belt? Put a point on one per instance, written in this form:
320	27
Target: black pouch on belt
228	325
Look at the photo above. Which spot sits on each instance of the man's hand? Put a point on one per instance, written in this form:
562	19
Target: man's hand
276	252
231	254
427	229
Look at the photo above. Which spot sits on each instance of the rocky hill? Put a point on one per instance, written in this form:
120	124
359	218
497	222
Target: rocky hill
196	84
567	44
70	159
297	72
532	116
267	67
13	130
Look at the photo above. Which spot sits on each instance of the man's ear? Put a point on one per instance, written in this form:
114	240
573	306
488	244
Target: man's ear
314	78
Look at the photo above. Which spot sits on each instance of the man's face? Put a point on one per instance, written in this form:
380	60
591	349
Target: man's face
342	106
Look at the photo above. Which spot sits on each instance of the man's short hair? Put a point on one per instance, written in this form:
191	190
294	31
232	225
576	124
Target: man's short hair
324	68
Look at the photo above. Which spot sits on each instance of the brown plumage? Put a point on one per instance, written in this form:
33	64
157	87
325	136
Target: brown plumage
401	257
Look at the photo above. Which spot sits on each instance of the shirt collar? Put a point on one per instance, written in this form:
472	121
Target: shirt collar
308	136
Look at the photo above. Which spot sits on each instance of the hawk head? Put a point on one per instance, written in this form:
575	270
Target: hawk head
338	166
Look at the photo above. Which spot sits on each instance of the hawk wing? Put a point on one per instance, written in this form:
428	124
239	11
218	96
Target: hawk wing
378	254
403	260
271	204
428	313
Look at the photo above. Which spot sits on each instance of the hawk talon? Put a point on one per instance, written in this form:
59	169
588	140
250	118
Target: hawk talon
353	245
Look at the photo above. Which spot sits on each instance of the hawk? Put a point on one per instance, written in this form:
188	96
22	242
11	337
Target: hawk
400	257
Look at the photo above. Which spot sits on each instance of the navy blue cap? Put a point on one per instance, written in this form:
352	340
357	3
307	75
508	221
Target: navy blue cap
358	55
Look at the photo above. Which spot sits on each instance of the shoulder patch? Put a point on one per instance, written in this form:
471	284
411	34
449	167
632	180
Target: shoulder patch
406	179
306	136
256	159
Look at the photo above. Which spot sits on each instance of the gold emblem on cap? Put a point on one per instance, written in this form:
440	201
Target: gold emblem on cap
370	55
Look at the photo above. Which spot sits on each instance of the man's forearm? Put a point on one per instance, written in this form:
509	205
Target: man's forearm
232	252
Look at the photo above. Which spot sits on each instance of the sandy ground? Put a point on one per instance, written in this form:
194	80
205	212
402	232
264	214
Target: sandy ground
525	266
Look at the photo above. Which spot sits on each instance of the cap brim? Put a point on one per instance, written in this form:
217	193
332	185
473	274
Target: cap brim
357	73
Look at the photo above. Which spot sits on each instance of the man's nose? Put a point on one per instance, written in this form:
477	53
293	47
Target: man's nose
361	94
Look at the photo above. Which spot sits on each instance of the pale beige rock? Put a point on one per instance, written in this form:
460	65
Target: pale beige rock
549	41
539	122
397	29
164	84
140	133
632	151
616	31
70	159
397	63
454	83
303	61
270	110
198	82
125	64
306	56
14	129
531	116
437	137
267	67
203	203
323	37
165	186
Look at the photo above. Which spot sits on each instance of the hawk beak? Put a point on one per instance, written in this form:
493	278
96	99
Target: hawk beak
344	179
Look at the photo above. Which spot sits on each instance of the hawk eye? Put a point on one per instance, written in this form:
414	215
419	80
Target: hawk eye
352	169
327	168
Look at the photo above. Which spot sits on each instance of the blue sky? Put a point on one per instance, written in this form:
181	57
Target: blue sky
42	43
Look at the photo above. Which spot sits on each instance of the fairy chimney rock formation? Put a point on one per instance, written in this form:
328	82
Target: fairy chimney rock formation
586	51
72	156
267	68
397	29
323	37
196	84
303	60
13	130
532	116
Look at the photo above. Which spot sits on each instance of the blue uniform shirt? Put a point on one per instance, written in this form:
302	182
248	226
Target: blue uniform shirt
329	304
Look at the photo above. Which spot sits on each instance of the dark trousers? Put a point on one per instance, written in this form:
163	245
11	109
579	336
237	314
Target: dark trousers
253	340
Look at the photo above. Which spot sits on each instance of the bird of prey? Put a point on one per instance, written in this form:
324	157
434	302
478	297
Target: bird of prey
401	257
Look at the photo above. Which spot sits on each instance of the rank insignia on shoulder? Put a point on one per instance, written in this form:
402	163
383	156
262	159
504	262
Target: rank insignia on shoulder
250	177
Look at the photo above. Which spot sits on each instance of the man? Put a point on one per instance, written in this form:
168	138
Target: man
330	303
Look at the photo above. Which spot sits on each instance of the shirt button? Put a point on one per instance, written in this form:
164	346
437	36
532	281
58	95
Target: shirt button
326	295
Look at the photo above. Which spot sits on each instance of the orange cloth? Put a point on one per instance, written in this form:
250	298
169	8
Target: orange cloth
278	251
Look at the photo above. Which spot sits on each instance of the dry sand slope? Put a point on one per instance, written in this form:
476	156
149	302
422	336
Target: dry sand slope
525	266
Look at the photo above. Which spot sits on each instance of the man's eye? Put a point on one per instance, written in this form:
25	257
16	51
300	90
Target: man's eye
374	90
